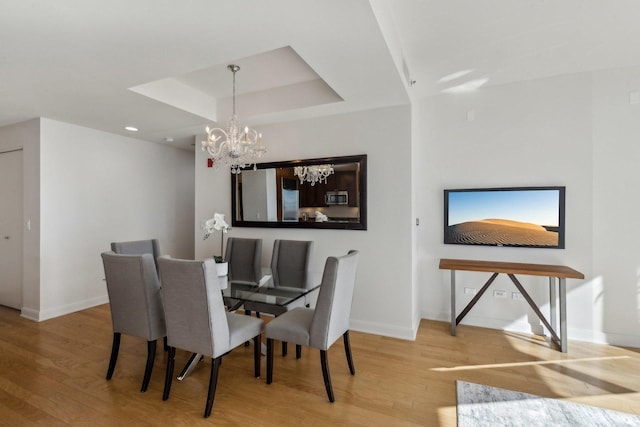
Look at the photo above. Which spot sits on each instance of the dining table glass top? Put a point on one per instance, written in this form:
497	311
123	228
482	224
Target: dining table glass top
265	291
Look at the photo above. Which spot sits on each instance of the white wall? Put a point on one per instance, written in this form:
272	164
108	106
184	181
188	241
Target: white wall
616	207
383	295
576	130
97	188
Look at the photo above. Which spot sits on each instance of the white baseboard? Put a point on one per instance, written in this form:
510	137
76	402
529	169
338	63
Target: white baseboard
384	329
29	313
623	340
50	313
485	322
577	334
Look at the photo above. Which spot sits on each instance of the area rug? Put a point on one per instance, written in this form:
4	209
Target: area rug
480	405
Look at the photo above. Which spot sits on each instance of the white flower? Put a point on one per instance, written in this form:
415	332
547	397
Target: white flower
217	223
208	228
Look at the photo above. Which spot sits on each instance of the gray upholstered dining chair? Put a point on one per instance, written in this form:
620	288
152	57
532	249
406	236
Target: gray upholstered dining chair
289	268
290	263
138	247
135	303
197	320
244	258
322	326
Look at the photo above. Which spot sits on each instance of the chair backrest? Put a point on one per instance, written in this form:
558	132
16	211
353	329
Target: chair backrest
138	247
290	263
331	317
193	306
134	295
244	258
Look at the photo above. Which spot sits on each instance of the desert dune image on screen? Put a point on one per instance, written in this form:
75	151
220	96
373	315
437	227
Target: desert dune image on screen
504	218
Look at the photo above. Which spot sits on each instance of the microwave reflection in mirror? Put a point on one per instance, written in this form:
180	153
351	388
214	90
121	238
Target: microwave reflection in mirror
336	198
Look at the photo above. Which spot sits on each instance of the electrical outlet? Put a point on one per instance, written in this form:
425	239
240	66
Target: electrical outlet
470	291
500	294
517	295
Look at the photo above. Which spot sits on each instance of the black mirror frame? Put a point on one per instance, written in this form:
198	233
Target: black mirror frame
362	202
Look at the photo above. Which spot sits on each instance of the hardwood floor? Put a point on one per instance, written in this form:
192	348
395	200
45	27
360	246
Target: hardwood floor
53	373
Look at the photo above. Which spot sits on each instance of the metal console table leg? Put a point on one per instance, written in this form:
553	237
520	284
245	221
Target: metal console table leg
563	314
552	302
453	302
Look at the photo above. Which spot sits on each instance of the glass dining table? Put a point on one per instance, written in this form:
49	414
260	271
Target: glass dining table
265	296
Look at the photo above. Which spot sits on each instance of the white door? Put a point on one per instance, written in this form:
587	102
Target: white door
11	229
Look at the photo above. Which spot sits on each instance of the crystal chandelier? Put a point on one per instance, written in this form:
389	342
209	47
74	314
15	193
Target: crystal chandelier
235	147
313	174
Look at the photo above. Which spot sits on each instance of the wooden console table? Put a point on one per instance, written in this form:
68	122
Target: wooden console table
511	269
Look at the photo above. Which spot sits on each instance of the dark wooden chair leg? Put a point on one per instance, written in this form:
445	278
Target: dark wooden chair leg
298	351
347	351
326	375
213	382
256	355
115	347
151	355
171	361
165	344
269	360
284	348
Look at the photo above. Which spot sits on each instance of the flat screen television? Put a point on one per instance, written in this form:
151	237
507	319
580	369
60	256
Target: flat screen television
528	217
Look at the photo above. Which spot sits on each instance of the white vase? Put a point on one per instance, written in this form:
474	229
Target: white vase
223	268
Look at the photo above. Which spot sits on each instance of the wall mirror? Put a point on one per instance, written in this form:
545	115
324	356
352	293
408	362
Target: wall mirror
326	193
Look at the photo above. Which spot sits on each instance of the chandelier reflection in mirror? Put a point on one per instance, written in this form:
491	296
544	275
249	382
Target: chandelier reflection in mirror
313	173
236	147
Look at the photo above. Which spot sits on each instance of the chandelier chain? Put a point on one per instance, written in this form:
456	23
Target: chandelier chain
234	70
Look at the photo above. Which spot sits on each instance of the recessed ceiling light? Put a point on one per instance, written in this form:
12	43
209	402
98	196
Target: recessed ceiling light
131	128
